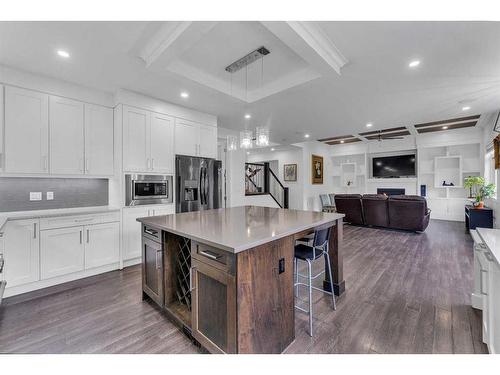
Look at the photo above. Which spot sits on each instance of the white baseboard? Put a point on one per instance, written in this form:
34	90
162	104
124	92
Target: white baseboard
131	262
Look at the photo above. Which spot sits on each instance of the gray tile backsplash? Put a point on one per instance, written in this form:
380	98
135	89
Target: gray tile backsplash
68	193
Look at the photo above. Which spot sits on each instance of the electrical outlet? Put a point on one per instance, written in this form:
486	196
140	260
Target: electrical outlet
281	265
35	195
50	195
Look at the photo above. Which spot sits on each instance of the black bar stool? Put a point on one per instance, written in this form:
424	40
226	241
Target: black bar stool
310	253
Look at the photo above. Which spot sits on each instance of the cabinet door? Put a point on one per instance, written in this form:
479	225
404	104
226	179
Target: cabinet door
98	140
132	232
152	270
2	154
213	313
22	253
162	143
66	136
186	137
494	308
164	210
102	244
61	252
208	141
26	131
136	126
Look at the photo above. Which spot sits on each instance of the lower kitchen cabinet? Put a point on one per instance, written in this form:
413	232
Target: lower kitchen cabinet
493	306
152	265
102	244
21	252
213	299
61	251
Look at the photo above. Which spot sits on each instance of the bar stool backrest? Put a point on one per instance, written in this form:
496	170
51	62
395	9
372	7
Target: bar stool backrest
321	237
325	200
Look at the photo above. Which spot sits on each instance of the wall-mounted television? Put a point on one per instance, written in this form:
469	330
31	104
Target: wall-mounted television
394	166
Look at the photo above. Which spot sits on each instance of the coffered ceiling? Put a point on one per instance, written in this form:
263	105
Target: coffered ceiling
325	79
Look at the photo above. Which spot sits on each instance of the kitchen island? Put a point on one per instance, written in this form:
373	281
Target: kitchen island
226	275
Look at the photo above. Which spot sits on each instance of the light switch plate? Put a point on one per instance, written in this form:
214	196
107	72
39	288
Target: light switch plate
50	195
35	195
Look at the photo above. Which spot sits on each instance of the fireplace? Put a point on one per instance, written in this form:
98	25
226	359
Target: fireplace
390	191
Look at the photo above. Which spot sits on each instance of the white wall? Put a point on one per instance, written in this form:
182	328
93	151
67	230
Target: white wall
282	157
488	136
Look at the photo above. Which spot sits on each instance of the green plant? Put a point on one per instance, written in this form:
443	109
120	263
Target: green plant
485	191
473	183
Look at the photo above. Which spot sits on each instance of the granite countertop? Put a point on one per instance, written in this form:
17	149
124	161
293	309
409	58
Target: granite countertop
240	228
491	238
35	214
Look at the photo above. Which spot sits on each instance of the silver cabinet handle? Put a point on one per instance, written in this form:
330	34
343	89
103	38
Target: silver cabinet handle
148	163
81	237
88	236
152	163
86	164
34	230
158	261
481	282
210	255
191	288
44	162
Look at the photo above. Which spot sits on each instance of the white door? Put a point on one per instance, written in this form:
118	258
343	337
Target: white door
186	137
135	139
26	131
98	140
208	141
61	251
102	244
22	253
162	143
132	231
66	136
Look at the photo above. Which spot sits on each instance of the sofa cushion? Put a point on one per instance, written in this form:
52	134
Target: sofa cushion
350	205
375	209
408	212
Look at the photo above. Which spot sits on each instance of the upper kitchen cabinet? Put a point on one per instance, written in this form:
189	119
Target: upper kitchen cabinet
148	141
195	139
98	140
66	136
162	143
26	131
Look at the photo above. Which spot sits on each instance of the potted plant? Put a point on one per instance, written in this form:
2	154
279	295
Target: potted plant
473	183
484	192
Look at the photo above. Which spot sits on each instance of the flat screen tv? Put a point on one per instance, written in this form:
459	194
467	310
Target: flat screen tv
394	166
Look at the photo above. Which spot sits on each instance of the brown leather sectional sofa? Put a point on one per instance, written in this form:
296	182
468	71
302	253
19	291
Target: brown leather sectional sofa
408	212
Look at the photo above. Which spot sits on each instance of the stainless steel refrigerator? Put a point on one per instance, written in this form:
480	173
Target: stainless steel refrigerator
198	183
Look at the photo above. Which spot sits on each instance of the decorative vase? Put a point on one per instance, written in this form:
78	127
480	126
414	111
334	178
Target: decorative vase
480	204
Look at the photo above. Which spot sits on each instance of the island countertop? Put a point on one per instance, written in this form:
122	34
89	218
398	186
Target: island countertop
240	228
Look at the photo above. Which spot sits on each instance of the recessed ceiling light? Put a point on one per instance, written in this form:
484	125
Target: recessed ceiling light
414	63
247	116
466	108
445	127
184	95
341	141
306	135
369	125
63	53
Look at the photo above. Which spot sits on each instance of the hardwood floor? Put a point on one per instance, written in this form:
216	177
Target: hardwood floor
406	293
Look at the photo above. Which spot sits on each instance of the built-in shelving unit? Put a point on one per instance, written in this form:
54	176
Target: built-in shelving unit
349	173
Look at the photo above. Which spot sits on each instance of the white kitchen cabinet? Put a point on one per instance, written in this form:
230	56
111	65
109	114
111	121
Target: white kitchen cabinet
494	308
131	244
61	251
66	136
26	131
22	252
2	154
162	143
102	244
208	141
136	133
447	208
164	210
195	139
99	142
186	137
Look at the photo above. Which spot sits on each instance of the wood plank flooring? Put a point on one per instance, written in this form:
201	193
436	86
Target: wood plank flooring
406	293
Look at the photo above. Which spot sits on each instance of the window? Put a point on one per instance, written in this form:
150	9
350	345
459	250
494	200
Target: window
490	173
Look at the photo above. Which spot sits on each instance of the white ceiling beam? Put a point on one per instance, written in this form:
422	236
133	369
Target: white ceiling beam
311	43
171	40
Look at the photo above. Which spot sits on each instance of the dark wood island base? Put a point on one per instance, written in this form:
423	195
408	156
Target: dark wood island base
229	302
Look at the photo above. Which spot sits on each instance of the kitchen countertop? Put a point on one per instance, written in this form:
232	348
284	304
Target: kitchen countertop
491	238
240	228
35	214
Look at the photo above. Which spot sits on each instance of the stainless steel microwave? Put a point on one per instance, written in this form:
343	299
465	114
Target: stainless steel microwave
148	189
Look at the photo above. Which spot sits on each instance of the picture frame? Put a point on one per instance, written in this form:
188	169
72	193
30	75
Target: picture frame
290	172
316	169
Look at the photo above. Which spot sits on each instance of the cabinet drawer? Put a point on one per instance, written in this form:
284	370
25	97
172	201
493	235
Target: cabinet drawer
76	220
218	258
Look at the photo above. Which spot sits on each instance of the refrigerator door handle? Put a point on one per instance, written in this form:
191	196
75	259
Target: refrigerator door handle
201	185
207	187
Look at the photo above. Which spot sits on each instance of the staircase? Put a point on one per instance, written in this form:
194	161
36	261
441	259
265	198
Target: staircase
261	180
